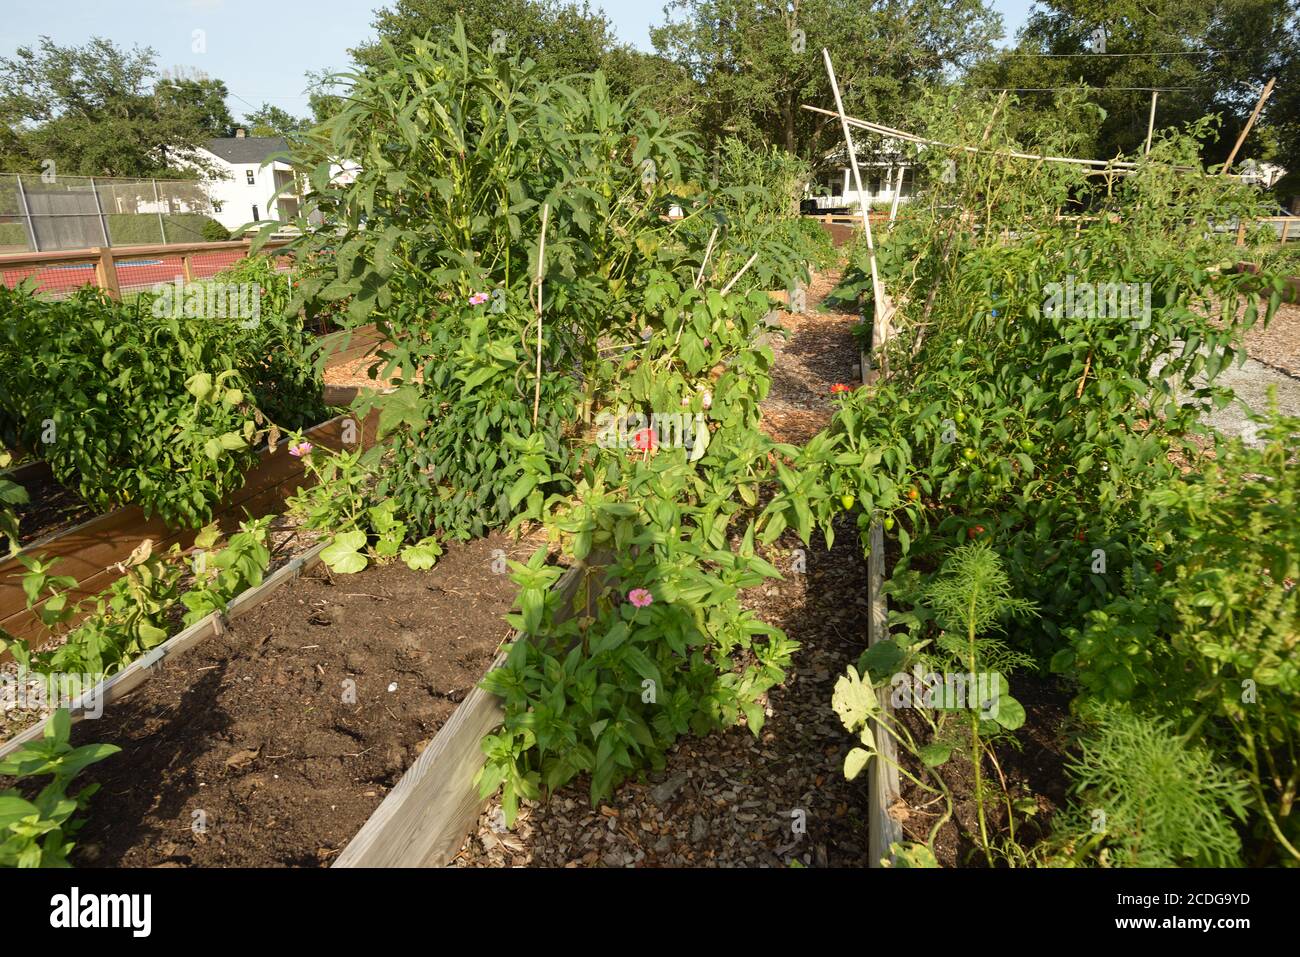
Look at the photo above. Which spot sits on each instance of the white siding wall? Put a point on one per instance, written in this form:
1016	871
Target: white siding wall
878	183
237	198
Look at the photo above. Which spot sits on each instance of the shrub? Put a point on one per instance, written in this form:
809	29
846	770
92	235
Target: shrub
131	408
213	232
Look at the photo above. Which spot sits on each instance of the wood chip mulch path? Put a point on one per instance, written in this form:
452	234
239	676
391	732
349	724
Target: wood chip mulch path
732	799
1278	345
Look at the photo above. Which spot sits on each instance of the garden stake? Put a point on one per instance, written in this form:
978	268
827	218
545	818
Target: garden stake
541	258
699	276
879	304
893	209
743	269
1151	121
1259	105
1078	394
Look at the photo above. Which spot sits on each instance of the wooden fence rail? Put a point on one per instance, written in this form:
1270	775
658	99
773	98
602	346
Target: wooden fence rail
105	259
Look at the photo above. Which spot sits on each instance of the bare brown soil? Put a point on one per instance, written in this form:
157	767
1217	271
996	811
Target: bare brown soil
50	508
249	751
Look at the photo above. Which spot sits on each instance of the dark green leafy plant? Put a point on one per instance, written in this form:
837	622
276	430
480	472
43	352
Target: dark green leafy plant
131	408
1204	627
11	494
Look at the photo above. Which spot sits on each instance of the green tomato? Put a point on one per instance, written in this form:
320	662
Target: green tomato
959	416
846	501
888	523
969	454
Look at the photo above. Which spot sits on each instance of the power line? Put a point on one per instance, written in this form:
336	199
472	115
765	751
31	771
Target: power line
1146	53
1100	89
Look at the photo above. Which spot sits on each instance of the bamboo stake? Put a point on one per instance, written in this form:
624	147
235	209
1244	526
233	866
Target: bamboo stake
1259	105
743	269
881	326
699	277
1010	154
541	259
1151	120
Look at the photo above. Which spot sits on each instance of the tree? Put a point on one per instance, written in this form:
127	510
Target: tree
566	37
755	62
205	98
324	98
92	111
268	120
1207	56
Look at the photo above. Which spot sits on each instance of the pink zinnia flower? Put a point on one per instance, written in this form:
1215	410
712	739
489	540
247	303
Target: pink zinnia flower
478	298
299	450
640	597
644	440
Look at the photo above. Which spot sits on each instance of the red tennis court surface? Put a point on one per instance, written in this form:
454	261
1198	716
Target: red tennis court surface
133	274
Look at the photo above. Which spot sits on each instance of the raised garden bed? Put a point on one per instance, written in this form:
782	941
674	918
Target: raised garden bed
254	725
89	550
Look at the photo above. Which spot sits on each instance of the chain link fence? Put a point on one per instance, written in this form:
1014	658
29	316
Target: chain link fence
40	213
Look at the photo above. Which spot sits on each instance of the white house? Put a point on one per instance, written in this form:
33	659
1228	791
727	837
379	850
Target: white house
246	191
879	182
880	172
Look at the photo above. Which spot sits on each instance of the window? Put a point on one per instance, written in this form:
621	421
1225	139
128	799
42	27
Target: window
256	217
250	176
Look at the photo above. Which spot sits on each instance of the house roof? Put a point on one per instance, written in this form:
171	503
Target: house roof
246	149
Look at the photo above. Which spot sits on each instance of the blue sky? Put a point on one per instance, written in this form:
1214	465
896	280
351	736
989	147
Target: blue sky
263	48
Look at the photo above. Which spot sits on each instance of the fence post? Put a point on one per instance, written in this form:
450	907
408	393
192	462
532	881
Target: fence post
31	226
99	207
187	268
1286	226
106	272
1241	233
162	227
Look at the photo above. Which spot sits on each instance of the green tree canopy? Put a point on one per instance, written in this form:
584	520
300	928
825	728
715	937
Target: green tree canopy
269	120
567	37
204	97
1205	56
754	62
94	110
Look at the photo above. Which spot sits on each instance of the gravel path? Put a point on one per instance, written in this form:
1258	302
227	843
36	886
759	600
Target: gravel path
1251	382
732	799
